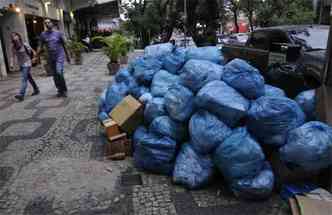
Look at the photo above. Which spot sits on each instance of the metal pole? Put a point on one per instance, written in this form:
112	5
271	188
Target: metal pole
328	65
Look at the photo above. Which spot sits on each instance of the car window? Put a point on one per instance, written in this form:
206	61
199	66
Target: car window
259	40
279	37
313	38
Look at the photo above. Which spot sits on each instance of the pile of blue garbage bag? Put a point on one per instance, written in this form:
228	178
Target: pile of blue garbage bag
203	116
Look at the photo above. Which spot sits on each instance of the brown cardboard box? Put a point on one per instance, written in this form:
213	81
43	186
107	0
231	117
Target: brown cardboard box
111	128
128	114
116	148
308	206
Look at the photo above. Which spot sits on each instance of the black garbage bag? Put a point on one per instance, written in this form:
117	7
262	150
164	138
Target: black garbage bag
196	73
207	132
165	126
179	102
191	169
162	81
272	91
271	118
244	78
259	187
288	78
239	156
308	147
154	109
224	101
307	102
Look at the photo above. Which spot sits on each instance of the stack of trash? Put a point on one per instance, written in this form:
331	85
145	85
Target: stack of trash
202	115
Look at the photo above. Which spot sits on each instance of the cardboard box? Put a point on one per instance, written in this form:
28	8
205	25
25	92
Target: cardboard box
111	128
308	206
118	147
128	114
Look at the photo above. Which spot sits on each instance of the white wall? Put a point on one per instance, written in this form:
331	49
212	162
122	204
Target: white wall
3	71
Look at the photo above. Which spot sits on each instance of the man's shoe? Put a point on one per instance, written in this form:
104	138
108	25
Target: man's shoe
19	98
35	93
62	95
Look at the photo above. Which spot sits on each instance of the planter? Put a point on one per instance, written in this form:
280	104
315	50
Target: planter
78	58
113	68
124	59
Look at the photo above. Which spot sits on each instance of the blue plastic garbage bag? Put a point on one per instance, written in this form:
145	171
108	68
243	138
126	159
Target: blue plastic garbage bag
165	126
307	102
138	91
191	169
245	78
308	147
139	133
154	153
210	53
197	73
159	50
162	81
132	64
114	95
154	109
224	101
122	76
102	116
145	69
207	132
174	62
102	101
272	91
146	98
291	190
259	187
239	156
179	102
271	118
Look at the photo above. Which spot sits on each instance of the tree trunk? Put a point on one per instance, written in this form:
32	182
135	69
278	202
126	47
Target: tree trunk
251	21
235	21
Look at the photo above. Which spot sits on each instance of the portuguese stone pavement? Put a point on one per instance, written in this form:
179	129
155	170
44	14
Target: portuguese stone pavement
52	159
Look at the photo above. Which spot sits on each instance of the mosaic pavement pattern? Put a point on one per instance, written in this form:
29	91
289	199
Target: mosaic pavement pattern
51	159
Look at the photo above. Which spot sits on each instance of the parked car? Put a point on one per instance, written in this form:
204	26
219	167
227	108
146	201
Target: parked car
234	39
304	45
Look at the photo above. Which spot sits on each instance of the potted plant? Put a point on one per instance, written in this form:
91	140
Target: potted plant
115	46
76	48
124	54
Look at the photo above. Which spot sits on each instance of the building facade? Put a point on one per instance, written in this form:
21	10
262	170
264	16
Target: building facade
26	17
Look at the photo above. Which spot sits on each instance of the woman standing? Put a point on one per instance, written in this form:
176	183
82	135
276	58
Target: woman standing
24	54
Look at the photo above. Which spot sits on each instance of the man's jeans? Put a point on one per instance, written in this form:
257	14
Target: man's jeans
26	76
58	76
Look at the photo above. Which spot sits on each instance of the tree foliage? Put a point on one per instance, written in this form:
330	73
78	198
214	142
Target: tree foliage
149	19
285	12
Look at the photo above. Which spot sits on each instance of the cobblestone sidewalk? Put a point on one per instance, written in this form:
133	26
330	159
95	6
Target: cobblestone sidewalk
51	159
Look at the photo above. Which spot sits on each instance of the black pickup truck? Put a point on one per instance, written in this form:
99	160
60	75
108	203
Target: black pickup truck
303	48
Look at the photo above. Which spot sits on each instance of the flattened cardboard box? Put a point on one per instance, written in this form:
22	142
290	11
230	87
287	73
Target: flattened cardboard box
128	114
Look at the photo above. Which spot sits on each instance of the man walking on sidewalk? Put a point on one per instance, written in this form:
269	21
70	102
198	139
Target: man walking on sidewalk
55	44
